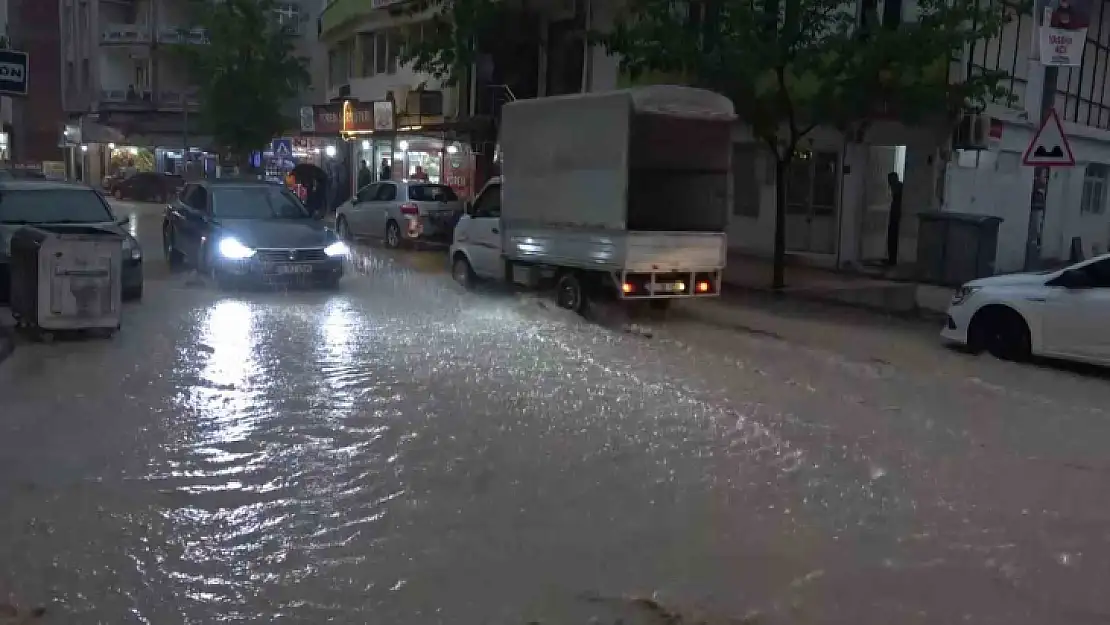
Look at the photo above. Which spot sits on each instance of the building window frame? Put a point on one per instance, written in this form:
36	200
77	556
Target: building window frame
1096	176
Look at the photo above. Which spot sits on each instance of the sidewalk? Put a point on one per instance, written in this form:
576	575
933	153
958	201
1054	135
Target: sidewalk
860	291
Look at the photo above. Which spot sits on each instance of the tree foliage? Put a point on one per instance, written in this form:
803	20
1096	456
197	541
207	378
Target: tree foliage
245	72
792	65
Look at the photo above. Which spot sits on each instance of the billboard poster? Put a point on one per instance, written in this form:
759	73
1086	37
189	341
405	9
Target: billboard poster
1063	33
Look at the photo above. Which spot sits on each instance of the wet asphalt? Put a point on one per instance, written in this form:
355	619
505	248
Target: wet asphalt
403	451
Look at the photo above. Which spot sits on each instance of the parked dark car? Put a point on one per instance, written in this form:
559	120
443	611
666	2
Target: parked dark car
147	186
240	231
60	204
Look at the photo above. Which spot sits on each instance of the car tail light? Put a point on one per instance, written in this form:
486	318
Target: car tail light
408	208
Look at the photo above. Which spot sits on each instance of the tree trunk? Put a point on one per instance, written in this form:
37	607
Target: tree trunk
778	277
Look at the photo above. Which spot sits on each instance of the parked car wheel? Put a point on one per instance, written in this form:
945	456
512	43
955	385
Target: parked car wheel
392	234
117	193
343	230
1002	331
461	271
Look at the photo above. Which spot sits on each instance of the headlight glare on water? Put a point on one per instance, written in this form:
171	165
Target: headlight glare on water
232	248
338	248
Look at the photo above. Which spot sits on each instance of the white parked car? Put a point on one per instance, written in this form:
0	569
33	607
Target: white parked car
400	211
1059	314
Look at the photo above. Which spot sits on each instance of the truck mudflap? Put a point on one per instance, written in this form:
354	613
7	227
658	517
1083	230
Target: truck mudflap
633	285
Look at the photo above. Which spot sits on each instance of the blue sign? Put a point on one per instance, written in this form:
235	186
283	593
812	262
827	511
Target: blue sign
282	147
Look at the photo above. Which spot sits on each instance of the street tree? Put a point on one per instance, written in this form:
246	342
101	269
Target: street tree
245	72
790	66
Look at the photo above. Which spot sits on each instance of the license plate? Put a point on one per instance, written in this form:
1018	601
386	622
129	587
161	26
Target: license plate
293	269
668	287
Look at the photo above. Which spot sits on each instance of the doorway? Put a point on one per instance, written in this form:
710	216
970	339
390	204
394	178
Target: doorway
812	206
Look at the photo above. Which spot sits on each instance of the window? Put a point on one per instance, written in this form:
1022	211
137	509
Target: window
381	51
1097	274
366	49
86	77
745	183
53	206
289	16
367	193
260	202
1094	188
489	203
387	193
432	193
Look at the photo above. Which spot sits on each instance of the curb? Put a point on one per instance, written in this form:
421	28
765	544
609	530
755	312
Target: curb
917	313
7	343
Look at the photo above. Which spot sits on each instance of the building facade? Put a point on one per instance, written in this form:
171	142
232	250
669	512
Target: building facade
33	121
121	84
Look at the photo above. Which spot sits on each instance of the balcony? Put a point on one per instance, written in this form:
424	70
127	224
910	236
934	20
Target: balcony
340	12
177	99
125	100
125	34
173	35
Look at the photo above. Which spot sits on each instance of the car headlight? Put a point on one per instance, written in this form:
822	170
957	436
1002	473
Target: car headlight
131	248
232	248
963	293
338	248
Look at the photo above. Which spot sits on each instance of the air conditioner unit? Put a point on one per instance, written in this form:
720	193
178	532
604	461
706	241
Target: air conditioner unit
972	133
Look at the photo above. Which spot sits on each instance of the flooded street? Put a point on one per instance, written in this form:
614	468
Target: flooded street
402	451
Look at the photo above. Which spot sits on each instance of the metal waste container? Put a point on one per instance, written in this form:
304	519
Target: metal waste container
66	278
953	248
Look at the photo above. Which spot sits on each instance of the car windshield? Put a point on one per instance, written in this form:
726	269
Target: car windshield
43	206
432	193
261	202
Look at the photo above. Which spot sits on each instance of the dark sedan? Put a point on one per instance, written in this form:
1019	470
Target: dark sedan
245	231
146	186
61	204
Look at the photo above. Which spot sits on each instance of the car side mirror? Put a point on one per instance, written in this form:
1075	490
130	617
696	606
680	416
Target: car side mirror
124	221
468	208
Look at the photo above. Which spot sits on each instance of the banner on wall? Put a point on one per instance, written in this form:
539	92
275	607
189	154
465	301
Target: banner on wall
1063	33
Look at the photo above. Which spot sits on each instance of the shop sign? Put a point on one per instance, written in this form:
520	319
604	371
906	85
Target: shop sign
13	72
358	116
383	115
328	118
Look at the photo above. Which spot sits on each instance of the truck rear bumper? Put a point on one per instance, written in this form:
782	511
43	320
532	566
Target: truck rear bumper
633	285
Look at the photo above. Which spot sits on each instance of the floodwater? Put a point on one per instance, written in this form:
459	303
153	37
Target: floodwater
401	451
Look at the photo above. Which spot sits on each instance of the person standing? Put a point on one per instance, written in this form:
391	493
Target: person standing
386	172
364	175
420	175
894	222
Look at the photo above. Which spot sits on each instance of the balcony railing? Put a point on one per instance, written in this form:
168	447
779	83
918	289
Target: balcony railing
126	99
125	34
173	35
177	99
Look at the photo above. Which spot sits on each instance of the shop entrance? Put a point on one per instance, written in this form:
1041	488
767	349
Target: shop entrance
812	206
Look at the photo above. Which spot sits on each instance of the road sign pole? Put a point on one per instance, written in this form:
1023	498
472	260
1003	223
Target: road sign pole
1038	197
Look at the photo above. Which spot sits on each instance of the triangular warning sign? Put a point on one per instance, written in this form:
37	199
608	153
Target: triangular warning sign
1049	147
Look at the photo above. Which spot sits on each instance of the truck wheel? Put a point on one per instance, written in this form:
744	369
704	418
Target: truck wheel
569	293
461	271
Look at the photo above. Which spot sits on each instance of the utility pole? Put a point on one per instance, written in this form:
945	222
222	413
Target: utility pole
1038	197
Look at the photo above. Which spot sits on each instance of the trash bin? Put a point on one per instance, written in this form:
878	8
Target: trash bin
953	248
66	278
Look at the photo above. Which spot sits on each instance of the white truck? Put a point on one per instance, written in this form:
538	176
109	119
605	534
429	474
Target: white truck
621	194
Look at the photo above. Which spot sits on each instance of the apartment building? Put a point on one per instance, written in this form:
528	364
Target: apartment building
449	130
121	83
